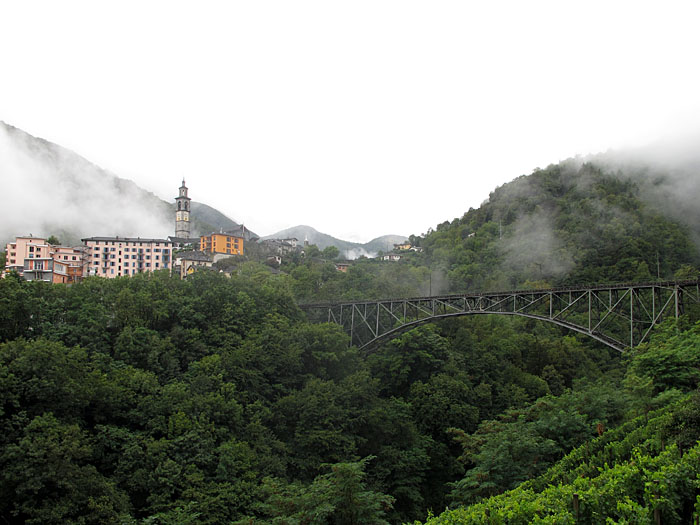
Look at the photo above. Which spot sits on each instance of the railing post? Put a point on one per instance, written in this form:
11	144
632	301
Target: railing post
352	323
590	321
631	317
376	331
675	293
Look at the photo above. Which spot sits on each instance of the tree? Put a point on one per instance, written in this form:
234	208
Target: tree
339	497
48	478
53	240
330	252
312	250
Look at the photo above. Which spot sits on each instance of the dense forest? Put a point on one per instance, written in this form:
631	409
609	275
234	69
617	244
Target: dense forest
153	400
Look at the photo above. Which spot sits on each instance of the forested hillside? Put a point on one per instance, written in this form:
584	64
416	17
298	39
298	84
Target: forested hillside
572	223
212	400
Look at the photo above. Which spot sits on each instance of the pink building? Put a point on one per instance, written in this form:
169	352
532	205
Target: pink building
25	248
69	264
37	260
115	256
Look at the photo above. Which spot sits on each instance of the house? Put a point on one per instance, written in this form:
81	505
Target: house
402	246
342	266
115	256
29	247
225	243
37	260
69	263
391	257
274	260
190	261
279	246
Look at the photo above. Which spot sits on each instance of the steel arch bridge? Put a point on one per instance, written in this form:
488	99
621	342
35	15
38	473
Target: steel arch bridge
618	315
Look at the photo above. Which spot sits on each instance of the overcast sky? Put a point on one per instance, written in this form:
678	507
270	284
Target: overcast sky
359	118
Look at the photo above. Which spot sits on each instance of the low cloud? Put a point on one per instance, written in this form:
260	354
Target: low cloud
534	249
50	190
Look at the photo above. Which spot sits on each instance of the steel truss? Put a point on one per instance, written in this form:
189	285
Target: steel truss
618	315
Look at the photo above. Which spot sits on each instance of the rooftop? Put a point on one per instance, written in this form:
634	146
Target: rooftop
123	239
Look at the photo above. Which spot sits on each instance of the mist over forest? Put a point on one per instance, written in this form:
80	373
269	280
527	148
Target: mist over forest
152	399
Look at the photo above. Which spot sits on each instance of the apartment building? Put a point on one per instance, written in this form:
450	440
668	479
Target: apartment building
116	256
221	243
37	260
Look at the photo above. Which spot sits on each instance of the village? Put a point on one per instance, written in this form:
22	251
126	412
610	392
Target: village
44	259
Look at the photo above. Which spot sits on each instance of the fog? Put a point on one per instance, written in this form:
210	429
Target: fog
534	248
50	190
668	175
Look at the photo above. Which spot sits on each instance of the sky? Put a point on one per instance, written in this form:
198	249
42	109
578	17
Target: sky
359	118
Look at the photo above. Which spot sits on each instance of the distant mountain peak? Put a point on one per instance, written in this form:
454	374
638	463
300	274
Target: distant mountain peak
348	249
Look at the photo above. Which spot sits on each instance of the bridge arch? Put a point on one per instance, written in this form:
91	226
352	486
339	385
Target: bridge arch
620	316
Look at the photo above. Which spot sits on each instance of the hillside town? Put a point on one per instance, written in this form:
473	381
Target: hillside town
44	259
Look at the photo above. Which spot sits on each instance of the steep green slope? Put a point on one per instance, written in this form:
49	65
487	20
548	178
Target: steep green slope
649	464
569	223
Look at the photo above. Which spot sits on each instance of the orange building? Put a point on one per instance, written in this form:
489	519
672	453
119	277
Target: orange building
221	243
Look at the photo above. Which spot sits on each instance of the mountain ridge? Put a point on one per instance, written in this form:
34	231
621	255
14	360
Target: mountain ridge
94	201
348	249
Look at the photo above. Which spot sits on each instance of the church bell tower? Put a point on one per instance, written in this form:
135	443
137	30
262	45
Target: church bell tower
182	215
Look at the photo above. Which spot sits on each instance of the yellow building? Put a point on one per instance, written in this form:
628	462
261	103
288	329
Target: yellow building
221	243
